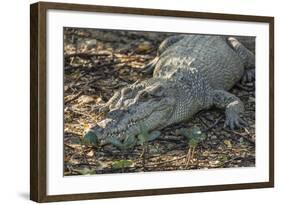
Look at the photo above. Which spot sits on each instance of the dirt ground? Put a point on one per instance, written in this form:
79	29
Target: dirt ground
99	62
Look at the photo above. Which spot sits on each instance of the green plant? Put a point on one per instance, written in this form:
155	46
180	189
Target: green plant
122	164
194	136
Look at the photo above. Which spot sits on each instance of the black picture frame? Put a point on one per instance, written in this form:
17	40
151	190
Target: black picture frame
38	103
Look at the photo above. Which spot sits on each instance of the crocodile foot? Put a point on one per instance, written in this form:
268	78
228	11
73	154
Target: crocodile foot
233	121
249	76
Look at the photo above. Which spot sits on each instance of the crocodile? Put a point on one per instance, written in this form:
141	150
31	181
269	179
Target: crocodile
190	73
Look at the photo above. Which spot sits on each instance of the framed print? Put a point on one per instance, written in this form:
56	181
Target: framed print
135	102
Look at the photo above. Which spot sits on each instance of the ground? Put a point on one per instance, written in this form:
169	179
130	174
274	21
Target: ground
97	63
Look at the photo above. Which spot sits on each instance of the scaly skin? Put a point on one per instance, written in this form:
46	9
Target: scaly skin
190	73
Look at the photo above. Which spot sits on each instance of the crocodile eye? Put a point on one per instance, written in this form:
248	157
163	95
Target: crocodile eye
143	95
158	91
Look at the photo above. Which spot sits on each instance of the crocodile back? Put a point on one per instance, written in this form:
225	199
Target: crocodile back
210	56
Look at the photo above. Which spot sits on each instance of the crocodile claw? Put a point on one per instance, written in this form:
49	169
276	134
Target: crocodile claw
249	76
233	121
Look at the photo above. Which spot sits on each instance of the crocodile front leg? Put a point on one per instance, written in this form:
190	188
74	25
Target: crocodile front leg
232	105
110	103
119	96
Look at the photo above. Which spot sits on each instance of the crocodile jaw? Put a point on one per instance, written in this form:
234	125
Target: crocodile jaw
140	107
147	116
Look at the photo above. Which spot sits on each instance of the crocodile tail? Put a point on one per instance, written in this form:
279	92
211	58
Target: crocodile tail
148	69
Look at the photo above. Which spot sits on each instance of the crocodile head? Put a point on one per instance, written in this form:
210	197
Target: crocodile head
139	107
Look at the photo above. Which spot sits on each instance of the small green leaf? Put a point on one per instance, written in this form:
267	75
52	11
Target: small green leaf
197	133
192	133
227	143
223	158
193	143
184	132
120	164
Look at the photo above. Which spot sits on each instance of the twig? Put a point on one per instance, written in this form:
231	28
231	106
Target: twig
80	113
83	164
168	140
246	130
193	152
214	124
69	68
143	156
73	133
187	157
74	97
241	135
203	122
67	145
123	158
85	158
172	160
85	55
